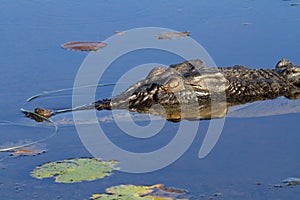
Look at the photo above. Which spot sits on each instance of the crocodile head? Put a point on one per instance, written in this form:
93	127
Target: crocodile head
192	90
169	91
292	74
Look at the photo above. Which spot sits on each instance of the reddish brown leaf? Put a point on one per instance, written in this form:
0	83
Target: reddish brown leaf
84	46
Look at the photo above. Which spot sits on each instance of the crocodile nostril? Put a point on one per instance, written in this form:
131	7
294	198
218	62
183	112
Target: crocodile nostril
164	88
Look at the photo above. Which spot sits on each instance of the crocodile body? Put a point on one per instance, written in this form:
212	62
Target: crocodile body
189	89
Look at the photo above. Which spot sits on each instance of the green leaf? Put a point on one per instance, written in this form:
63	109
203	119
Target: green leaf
134	192
130	190
75	170
116	197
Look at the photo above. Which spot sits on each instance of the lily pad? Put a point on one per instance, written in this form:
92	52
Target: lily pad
154	192
84	46
75	170
116	197
132	189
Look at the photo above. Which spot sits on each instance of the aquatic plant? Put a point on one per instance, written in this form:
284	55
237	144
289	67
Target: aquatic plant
135	192
75	170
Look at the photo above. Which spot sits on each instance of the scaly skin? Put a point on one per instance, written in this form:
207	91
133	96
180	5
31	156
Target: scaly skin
187	90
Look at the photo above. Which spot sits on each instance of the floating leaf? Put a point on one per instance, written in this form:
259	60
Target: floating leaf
158	198
132	189
119	32
291	181
24	146
84	46
172	35
154	192
116	197
75	170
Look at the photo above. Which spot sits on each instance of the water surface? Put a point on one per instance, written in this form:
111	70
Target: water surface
251	150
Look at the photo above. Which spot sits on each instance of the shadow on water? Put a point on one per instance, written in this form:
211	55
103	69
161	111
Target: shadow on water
252	155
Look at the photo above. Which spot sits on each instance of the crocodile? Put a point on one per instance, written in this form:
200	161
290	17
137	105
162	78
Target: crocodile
191	90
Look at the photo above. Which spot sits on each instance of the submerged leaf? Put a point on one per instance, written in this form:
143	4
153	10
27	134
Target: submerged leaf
172	35
75	170
32	150
154	192
84	46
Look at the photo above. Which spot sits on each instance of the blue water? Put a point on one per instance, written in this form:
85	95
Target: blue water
252	33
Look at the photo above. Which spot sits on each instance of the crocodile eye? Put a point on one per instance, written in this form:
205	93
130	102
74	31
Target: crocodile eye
173	85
